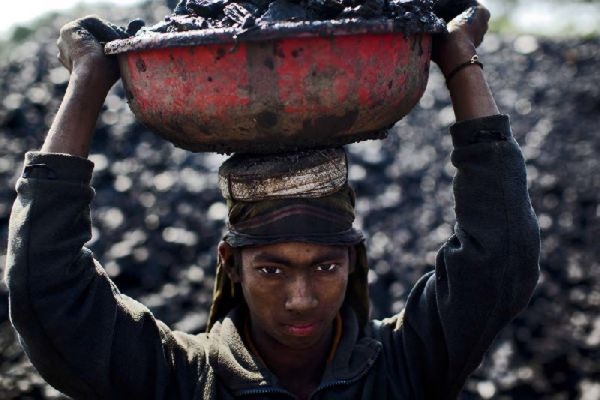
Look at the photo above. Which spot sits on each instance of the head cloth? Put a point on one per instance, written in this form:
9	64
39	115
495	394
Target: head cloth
290	197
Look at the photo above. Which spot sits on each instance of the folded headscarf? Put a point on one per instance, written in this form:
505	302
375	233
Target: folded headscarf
292	197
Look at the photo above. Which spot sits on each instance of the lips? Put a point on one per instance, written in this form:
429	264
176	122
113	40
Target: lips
301	329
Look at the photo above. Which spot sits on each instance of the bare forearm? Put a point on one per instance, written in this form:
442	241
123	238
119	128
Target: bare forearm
471	95
469	91
73	127
92	75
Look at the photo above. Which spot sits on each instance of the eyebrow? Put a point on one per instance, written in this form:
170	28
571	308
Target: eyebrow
332	255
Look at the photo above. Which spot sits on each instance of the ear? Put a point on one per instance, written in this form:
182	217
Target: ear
227	260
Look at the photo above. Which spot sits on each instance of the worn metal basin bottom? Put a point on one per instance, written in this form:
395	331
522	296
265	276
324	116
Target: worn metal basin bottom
274	92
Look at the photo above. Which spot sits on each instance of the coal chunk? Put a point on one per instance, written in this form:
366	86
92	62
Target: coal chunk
284	10
252	8
206	8
261	5
370	9
326	8
448	9
134	26
180	8
240	15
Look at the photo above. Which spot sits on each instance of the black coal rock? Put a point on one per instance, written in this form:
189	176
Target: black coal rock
206	8
326	8
448	9
134	26
284	10
416	14
240	15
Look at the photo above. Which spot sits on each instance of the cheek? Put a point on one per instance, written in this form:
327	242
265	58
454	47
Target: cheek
259	294
333	291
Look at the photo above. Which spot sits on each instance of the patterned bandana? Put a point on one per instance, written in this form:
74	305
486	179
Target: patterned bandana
324	220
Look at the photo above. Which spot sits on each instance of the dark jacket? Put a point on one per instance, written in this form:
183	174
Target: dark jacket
90	341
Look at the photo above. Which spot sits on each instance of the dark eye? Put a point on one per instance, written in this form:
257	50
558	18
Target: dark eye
327	267
270	270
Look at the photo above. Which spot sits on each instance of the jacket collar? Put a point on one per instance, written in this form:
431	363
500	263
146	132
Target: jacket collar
242	372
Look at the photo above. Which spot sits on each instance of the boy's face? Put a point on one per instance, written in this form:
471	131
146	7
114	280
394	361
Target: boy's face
293	291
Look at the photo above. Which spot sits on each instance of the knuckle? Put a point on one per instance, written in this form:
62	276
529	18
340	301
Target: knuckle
69	26
89	17
485	13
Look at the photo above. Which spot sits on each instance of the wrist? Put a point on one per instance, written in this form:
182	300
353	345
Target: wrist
471	95
473	61
455	52
73	127
87	89
94	78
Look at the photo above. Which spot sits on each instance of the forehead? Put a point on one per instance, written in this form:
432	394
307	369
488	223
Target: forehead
295	253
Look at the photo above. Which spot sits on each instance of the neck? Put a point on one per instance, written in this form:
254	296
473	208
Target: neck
298	370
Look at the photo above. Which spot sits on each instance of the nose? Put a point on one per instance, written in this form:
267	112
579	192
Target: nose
300	295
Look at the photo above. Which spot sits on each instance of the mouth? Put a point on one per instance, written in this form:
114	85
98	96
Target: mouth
301	329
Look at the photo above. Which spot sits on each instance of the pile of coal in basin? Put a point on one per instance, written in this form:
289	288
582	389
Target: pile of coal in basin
189	15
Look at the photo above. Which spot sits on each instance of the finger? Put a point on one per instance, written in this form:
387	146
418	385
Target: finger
449	9
74	41
102	30
64	60
61	60
72	34
473	21
480	25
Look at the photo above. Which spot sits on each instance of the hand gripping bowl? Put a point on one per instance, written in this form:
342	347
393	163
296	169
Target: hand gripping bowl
294	86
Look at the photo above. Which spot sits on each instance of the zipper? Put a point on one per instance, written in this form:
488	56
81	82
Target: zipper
343	381
270	390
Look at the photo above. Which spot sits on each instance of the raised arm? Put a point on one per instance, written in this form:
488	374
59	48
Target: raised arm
85	337
92	76
486	271
469	91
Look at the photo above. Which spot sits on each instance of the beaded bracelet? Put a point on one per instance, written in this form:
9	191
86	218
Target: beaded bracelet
473	61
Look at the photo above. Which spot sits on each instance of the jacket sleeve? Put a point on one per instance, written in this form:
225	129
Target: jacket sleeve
83	336
485	273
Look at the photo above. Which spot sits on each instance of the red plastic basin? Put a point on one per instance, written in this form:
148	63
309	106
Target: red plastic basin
300	85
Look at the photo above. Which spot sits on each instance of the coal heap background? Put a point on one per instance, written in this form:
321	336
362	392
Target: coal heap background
158	215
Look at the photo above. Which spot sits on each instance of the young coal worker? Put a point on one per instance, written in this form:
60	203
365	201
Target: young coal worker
290	317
